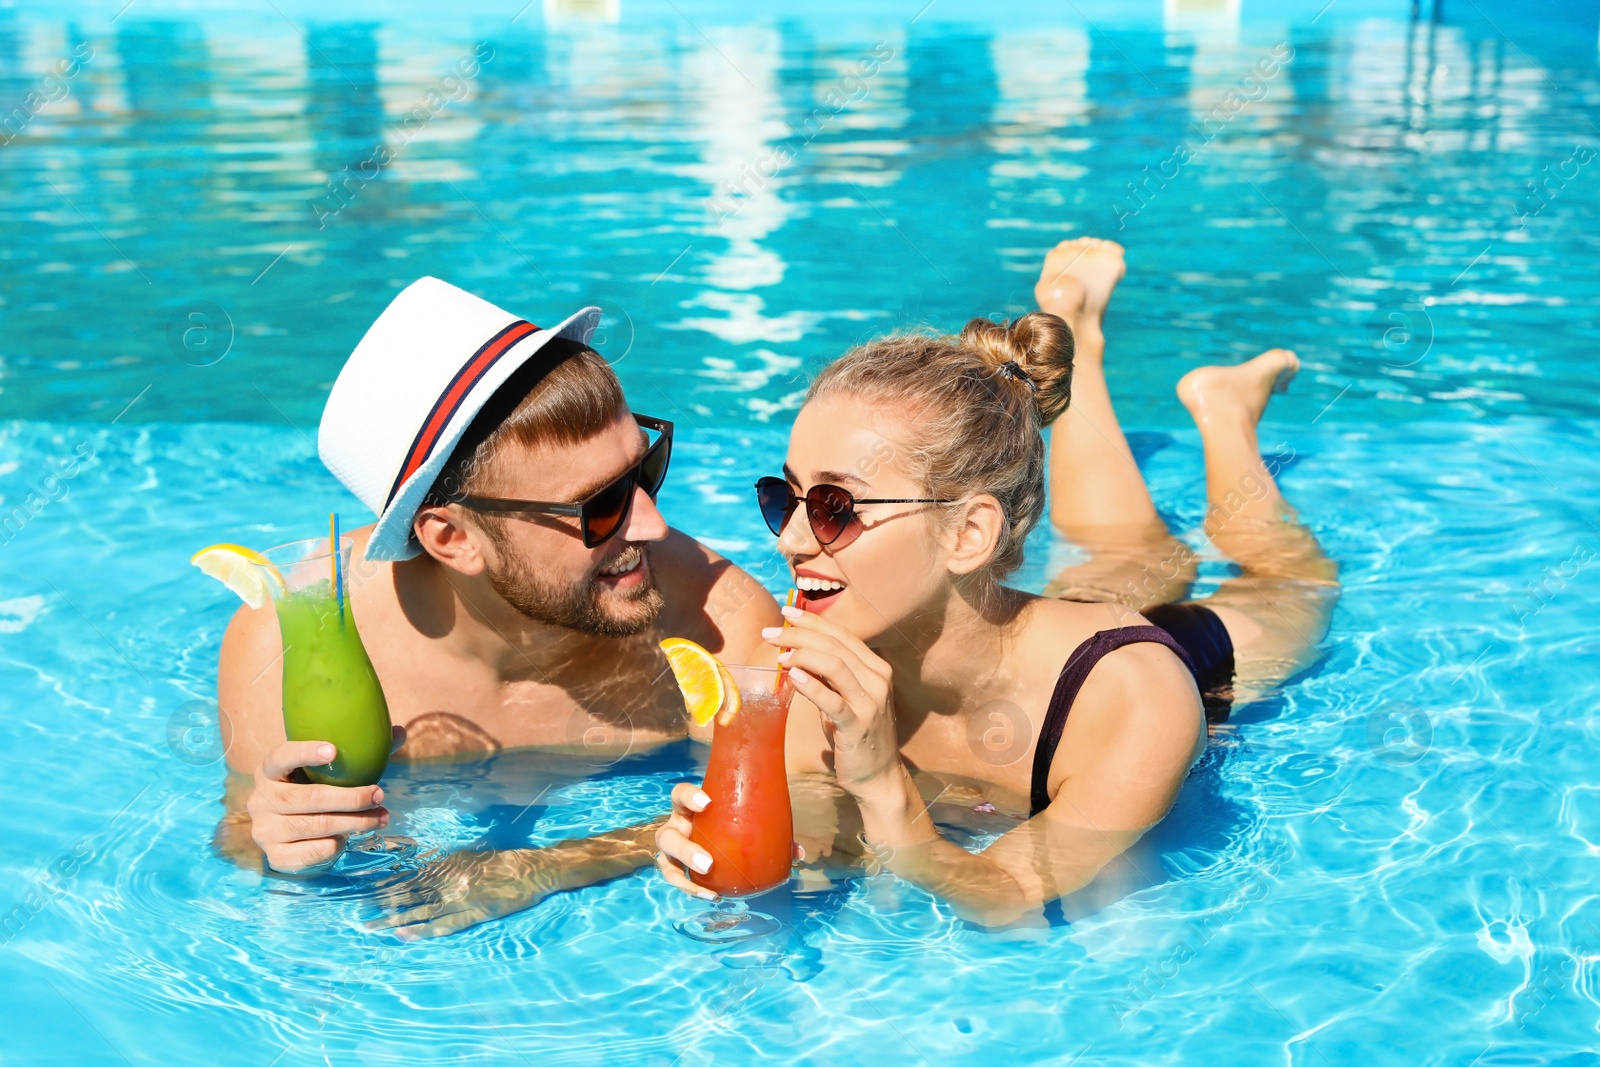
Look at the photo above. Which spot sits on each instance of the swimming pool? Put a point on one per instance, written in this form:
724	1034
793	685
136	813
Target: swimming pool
1391	863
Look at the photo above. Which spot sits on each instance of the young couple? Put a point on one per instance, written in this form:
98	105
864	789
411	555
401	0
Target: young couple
531	576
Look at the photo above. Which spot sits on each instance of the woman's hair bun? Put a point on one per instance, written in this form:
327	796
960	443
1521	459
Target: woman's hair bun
1040	345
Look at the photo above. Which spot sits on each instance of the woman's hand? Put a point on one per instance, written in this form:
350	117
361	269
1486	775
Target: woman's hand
467	888
675	853
853	688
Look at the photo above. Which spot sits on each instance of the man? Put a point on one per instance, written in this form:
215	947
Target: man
511	593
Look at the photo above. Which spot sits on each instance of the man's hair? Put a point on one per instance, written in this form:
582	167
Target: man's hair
566	394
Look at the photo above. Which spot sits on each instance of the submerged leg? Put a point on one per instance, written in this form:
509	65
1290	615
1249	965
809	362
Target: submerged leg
1279	608
1098	498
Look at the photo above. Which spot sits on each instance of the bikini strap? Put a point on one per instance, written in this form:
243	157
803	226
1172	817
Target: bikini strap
1073	675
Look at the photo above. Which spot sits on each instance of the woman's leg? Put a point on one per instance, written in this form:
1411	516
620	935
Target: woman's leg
1098	498
1278	609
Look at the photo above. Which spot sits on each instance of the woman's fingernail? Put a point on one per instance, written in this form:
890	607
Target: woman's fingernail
706	894
799	675
792	613
769	632
383	820
377	795
699	799
702	862
325	752
785	657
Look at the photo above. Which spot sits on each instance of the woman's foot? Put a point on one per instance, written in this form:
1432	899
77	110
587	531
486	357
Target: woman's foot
1240	391
1076	282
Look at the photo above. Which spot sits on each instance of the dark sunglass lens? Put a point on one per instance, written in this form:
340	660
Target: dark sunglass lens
831	511
653	467
606	510
776	501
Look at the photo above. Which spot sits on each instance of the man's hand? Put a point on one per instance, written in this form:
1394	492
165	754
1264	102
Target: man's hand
301	828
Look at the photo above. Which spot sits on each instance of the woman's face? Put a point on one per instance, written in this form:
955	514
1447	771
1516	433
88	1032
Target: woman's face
889	563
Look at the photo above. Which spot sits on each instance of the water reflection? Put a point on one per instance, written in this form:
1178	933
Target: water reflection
343	108
742	190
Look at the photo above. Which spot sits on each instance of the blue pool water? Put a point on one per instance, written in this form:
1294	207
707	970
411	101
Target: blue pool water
1394	862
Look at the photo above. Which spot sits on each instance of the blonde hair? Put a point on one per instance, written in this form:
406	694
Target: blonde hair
974	404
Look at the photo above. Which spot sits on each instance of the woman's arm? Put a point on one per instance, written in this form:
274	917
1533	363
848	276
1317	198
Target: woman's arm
1135	730
1051	855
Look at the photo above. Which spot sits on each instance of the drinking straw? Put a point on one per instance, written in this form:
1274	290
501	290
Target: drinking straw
788	602
333	540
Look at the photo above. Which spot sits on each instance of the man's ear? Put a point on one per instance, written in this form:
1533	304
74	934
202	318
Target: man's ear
976	533
445	535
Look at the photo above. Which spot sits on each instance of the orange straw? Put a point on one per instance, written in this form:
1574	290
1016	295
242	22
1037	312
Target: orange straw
788	602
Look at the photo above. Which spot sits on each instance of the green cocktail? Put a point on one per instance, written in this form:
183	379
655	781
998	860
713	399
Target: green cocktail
330	691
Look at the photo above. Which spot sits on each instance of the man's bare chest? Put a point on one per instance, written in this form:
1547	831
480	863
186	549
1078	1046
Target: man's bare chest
454	710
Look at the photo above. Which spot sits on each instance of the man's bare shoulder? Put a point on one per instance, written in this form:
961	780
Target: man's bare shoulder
709	599
249	691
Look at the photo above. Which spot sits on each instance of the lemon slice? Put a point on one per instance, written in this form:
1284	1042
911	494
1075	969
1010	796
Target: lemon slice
706	684
244	570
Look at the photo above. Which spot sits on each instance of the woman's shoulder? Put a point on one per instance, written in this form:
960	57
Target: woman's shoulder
1045	625
1127	678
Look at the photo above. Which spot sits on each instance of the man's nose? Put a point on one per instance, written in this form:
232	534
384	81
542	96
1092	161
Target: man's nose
645	522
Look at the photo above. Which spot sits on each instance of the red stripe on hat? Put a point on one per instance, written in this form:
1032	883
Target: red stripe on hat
449	402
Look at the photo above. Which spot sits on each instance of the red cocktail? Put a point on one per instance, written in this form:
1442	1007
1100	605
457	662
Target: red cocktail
748	829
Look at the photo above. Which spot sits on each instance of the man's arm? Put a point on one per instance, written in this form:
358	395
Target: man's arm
467	888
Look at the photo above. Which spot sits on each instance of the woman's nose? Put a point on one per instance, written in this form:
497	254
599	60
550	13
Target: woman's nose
797	538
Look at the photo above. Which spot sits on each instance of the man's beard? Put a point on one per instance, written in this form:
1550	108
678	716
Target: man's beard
584	605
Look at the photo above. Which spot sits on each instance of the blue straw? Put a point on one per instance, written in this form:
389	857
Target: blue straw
338	577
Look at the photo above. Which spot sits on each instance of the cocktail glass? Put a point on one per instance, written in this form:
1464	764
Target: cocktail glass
748	828
330	691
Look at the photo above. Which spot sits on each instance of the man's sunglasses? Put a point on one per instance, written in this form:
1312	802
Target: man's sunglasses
601	514
830	509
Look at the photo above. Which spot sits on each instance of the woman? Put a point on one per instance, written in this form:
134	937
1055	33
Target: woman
915	472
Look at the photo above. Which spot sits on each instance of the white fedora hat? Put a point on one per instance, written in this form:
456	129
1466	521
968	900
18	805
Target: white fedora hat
410	390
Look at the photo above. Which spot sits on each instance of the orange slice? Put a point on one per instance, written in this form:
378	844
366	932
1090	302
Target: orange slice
706	684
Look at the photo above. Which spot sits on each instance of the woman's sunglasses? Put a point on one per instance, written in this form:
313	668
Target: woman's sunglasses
831	510
601	514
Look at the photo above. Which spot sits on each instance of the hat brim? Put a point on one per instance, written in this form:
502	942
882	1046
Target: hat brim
392	538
